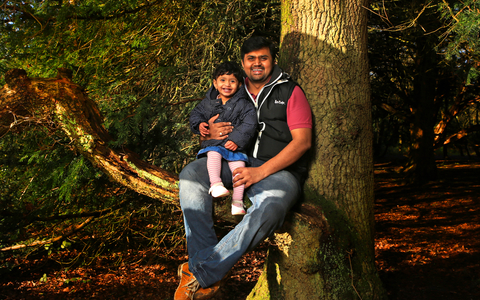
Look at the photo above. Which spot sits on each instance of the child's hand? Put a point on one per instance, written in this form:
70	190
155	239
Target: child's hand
203	128
229	145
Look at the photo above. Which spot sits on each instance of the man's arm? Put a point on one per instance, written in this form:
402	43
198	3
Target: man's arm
217	131
301	142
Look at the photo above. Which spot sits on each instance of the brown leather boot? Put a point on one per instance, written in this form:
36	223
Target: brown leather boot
189	288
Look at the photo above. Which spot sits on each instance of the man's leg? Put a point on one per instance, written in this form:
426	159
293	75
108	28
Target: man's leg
197	214
197	204
272	198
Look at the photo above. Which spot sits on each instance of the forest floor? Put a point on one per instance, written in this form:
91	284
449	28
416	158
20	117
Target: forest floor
427	247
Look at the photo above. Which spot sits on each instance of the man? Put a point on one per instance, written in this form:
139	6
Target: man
273	180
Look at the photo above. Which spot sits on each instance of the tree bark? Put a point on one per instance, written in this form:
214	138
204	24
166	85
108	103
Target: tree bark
330	253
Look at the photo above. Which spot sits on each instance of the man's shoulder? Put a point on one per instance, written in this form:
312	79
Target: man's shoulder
286	86
290	86
283	79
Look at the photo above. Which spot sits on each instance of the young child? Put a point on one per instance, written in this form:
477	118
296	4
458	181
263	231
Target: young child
227	99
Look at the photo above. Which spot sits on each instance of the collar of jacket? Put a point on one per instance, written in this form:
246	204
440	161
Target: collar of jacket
278	76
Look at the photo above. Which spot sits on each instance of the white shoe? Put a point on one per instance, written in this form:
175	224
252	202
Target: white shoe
218	190
238	210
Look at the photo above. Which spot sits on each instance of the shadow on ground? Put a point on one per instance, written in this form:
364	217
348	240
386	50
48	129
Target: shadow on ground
427	248
427	239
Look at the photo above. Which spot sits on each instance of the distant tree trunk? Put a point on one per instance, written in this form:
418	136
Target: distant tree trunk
421	154
327	250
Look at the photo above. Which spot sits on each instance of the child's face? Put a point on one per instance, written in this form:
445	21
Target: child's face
226	85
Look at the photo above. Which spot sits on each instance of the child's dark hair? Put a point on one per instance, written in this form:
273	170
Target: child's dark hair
229	68
256	43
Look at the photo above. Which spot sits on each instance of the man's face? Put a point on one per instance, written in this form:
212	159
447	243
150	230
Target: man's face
258	65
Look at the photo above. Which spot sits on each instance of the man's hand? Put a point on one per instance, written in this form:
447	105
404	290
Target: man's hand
220	130
301	142
247	176
229	145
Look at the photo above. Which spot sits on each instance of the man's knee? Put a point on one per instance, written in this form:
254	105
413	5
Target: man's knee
193	186
190	171
273	215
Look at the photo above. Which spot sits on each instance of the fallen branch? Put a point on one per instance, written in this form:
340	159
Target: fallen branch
52	240
61	102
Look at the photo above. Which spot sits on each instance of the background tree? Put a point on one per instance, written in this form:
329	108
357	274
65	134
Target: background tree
463	23
419	87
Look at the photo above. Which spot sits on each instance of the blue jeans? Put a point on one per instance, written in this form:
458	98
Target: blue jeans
210	259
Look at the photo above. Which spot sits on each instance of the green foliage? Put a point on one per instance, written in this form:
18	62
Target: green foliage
463	19
146	64
43	178
472	76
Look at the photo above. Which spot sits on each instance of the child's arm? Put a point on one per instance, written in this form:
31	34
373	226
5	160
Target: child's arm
198	116
203	128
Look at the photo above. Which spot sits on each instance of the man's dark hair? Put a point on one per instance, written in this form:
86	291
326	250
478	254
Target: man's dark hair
229	68
256	43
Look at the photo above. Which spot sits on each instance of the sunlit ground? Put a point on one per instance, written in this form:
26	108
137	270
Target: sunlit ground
428	239
427	247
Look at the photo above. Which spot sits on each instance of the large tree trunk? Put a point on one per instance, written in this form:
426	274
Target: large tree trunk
327	251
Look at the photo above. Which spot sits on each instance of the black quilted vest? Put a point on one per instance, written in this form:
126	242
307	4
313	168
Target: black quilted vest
274	134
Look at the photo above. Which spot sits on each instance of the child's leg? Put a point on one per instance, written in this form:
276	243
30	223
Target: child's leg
214	167
237	197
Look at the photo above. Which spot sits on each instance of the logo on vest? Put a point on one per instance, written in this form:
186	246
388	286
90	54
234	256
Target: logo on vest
280	102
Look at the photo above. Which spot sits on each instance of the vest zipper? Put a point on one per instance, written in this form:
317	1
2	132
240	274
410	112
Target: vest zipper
259	137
